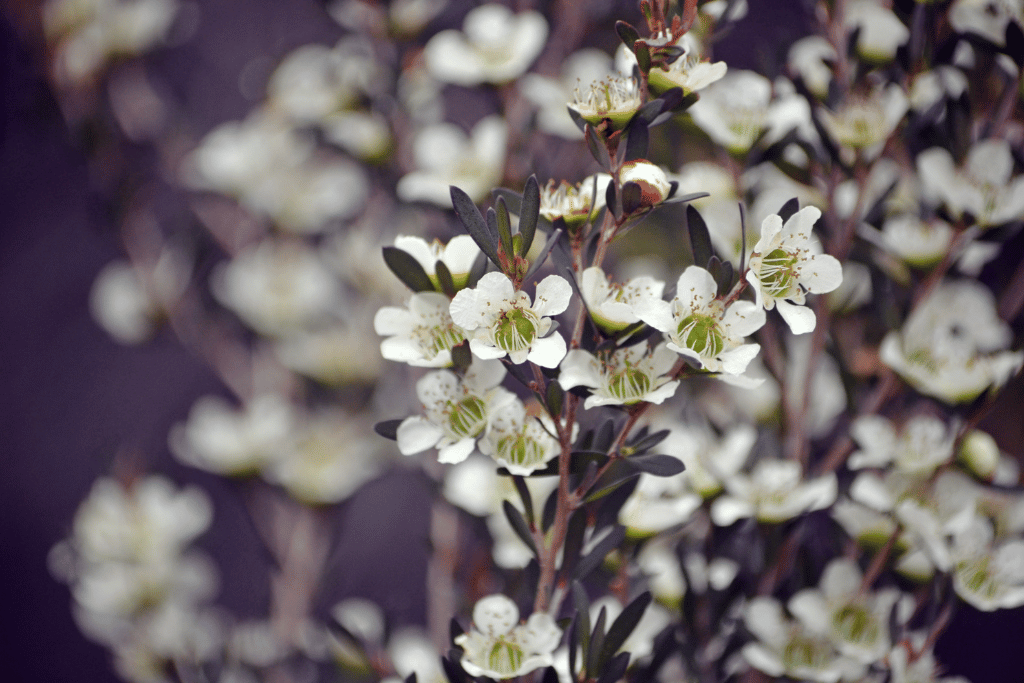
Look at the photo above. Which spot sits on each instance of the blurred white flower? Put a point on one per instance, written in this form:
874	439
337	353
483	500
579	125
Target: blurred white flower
698	325
572	203
500	320
625	376
735	110
120	304
518	441
940	82
277	288
785	262
984	187
881	31
494	46
988	571
952	344
422	334
920	243
233	441
550	95
809	59
457	410
458	256
923	444
615	98
986	18
365	135
865	123
446	156
499	647
689	72
612	305
774	491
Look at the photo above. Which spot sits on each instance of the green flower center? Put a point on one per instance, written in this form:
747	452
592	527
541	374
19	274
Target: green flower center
434	340
702	334
467	418
977	576
516	330
778	274
630	385
521	449
854	624
505	658
924	358
806	653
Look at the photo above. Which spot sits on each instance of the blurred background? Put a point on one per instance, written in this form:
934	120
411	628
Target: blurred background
73	399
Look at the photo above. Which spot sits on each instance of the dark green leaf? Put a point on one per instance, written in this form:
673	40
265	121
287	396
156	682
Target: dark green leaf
444	277
547	516
478	270
513	199
615	669
605	435
646	442
529	214
574	533
658	464
789	208
474	223
405	266
700	239
580	122
504	226
524	495
411	678
555	397
596	644
643	56
453	670
1015	43
632	197
637	140
462	356
454	629
686	197
549	675
627	34
548	246
623	626
388	428
519	525
611	201
581	634
611	504
597	148
607	544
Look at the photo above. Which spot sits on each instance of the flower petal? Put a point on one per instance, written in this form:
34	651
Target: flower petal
417	434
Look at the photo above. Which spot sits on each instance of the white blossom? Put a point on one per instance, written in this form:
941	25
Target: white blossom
499	647
422	334
457	410
551	94
689	72
785	263
881	31
612	305
988	571
865	123
625	376
986	18
923	444
499	320
985	187
574	204
458	255
616	98
655	186
774	491
518	441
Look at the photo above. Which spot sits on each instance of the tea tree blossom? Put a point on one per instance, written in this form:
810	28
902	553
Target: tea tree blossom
611	305
783	265
499	320
923	444
551	94
615	99
499	647
920	243
988	572
655	186
773	492
865	123
734	110
689	72
624	376
458	256
985	187
495	46
699	325
986	18
422	334
809	58
518	441
457	410
880	30
952	345
574	204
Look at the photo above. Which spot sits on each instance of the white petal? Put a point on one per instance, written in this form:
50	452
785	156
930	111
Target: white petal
417	434
391	320
810	607
579	368
696	285
662	393
547	352
743	318
799	318
495	615
456	452
656	313
735	362
466	310
485	351
553	296
726	510
820	273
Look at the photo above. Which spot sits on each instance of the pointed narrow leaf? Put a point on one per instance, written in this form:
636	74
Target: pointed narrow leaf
524	495
529	213
573	541
454	629
623	626
555	398
637	141
680	199
444	277
515	519
504	225
407	269
700	239
611	505
513	200
604	436
789	208
547	516
615	669
462	356
647	441
474	223
411	678
658	464
581	634
743	242
453	670
611	201
548	246
550	675
627	34
607	544
596	643
597	148
388	428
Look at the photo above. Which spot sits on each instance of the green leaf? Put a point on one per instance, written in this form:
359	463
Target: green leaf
789	208
529	213
519	525
615	669
513	199
504	225
462	356
643	56
474	223
388	428
632	197
623	626
627	34
700	238
637	140
444	277
607	544
658	464
524	495
649	441
555	397
574	534
581	625
405	266
596	643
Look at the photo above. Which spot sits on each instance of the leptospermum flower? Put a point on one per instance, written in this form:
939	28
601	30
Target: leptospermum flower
773	492
458	256
457	411
574	204
655	187
499	647
500	320
924	443
519	442
616	99
689	72
422	334
783	265
984	187
988	572
698	325
625	376
612	306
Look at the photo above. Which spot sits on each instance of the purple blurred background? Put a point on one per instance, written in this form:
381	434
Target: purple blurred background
71	398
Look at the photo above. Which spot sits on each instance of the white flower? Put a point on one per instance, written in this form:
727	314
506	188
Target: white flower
881	31
654	184
612	305
951	346
499	647
735	110
986	18
784	264
495	46
446	156
988	572
277	288
458	256
698	325
919	243
911	663
422	334
922	445
937	83
500	320
856	621
519	442
984	187
786	647
616	99
625	376
773	492
809	58
572	203
127	300
457	411
865	123
220	438
550	95
689	72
